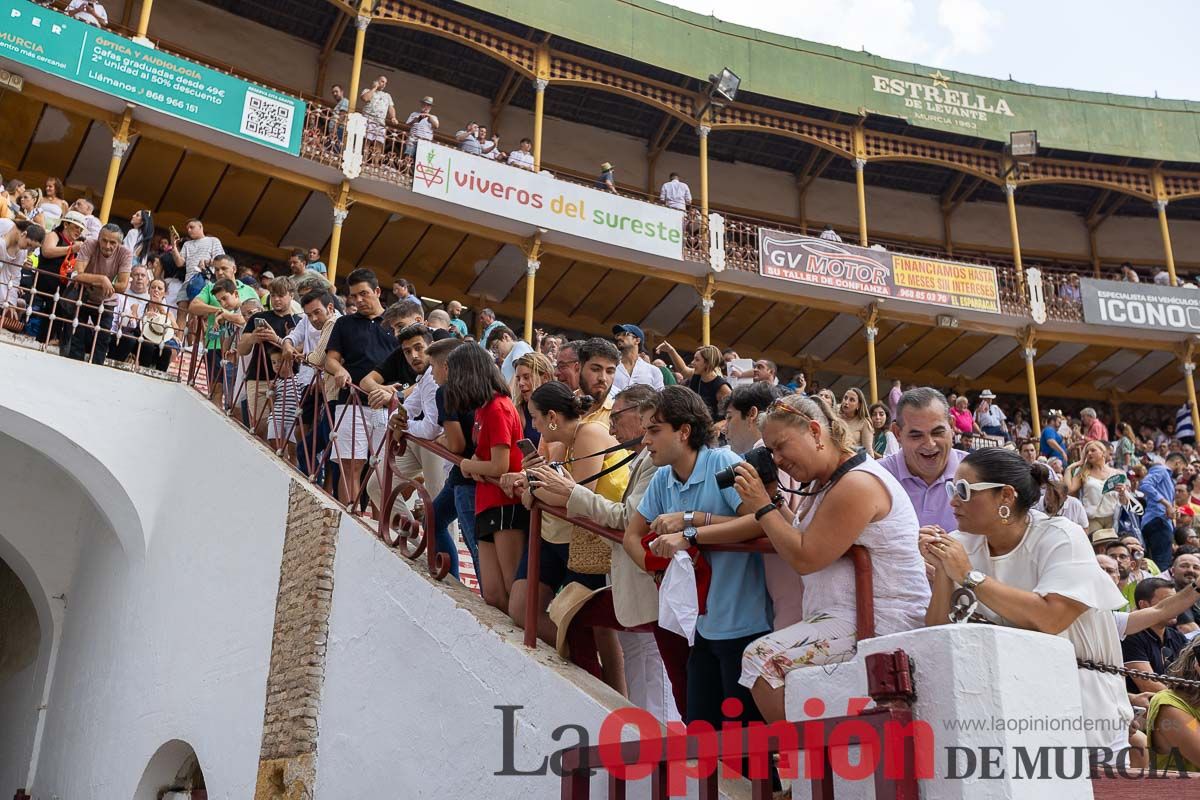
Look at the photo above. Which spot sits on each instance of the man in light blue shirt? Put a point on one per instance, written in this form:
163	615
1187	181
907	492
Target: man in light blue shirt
678	438
1158	487
487	318
507	348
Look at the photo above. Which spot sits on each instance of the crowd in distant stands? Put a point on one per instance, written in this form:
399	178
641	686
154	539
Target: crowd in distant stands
1085	533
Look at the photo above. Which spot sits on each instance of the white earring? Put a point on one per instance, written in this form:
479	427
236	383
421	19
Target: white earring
1005	512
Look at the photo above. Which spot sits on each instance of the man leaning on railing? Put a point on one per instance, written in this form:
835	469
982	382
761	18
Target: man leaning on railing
101	270
358	343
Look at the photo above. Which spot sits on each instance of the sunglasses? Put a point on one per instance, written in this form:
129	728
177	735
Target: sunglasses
962	489
780	405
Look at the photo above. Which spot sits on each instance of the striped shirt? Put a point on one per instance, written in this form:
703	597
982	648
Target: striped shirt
1183	423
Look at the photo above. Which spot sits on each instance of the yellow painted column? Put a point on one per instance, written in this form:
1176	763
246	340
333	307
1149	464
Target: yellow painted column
1189	367
360	40
702	131
1030	352
335	240
531	268
859	165
871	332
1160	206
1015	235
706	307
120	146
144	19
539	106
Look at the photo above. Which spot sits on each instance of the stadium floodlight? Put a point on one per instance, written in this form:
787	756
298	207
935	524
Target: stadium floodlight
723	87
1021	149
1023	145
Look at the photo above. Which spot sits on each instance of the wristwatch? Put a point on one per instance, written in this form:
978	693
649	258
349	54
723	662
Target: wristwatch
689	518
973	579
689	536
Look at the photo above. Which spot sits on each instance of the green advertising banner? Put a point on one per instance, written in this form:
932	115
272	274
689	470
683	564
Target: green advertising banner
90	56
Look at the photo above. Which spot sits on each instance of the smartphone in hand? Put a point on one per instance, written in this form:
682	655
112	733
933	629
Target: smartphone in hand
528	449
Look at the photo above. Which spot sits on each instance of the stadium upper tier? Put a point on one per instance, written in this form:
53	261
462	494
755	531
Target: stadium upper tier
821	76
937	223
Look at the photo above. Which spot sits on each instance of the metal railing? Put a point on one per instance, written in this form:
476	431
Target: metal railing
290	407
859	556
895	749
43	309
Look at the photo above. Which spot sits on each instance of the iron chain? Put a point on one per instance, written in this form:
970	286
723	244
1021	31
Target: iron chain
962	609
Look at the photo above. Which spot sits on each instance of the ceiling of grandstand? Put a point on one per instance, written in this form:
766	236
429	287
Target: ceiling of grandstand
258	217
450	63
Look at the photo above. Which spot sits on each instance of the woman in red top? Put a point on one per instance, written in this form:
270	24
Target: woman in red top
474	383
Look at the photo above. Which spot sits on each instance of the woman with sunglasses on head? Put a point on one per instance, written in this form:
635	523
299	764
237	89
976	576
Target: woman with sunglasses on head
1030	571
850	500
1101	487
530	371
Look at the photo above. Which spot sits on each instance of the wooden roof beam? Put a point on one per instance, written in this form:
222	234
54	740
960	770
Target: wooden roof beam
955	202
510	86
335	36
826	158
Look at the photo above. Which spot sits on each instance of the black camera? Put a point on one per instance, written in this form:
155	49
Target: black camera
761	460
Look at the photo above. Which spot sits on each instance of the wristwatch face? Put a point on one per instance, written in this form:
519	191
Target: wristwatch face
975	577
689	535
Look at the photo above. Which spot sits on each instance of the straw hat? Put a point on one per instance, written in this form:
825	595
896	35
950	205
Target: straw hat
1104	536
75	218
606	167
565	606
155	328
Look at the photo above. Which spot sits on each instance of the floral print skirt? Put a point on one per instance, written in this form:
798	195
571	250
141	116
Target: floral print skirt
816	640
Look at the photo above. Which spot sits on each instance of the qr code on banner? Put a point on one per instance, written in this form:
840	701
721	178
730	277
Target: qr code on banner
268	119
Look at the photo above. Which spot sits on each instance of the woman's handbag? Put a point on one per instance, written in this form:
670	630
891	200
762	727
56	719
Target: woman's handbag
588	553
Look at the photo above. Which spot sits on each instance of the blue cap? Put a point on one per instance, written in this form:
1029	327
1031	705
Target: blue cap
630	328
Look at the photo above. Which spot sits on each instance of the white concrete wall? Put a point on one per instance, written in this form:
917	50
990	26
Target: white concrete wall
411	681
166	630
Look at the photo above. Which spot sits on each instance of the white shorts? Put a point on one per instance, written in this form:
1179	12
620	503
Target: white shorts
360	431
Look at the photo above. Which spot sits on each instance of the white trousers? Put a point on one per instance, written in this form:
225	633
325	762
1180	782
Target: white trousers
646	677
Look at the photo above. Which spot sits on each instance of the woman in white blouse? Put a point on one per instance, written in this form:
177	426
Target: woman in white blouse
1030	571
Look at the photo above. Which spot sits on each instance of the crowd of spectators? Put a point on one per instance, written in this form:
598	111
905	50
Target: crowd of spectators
1084	533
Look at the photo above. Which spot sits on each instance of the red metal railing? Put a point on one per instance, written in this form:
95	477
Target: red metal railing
860	556
886	735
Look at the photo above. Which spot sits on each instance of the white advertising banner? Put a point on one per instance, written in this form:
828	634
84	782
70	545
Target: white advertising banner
545	201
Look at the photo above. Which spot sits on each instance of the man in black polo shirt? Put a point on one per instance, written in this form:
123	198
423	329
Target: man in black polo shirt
358	343
1154	649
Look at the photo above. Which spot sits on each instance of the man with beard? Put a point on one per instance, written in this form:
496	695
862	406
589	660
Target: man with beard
598	359
926	461
632	368
1185	572
1125	580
